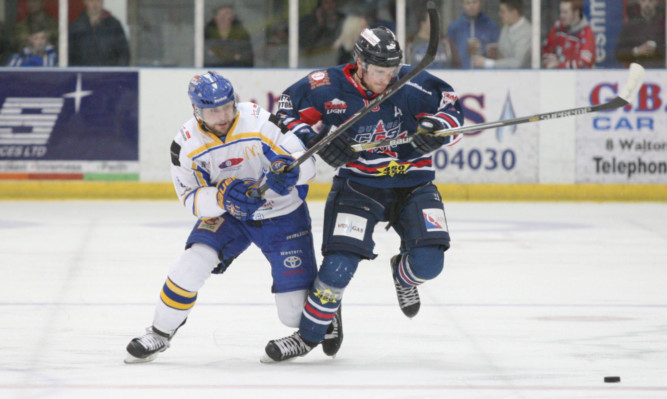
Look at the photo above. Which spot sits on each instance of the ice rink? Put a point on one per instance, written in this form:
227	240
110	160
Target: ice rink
537	300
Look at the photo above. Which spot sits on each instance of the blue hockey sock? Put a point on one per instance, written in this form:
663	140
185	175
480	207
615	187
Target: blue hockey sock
325	297
419	265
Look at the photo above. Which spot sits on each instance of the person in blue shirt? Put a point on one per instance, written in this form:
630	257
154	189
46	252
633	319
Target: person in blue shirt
38	52
472	31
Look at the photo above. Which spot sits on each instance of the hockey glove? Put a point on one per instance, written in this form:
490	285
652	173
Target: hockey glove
425	141
338	152
234	197
280	181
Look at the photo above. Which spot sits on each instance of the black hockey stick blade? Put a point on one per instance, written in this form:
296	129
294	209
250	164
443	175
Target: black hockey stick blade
433	41
625	96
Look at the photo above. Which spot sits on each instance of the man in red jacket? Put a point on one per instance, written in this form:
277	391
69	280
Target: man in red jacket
571	42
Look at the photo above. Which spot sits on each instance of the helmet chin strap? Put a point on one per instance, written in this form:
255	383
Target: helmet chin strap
363	69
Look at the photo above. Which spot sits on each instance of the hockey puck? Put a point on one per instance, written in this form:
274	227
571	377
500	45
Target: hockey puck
612	379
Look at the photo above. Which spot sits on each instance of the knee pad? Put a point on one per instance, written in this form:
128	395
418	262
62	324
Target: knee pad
193	267
423	263
290	307
338	268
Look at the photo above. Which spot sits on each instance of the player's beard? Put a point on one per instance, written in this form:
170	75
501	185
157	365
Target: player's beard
218	129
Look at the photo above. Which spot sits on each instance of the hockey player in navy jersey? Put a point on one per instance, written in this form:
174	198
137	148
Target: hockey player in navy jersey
217	159
392	184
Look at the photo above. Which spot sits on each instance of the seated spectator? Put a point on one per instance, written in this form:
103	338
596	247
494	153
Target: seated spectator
317	33
514	45
96	38
353	25
4	44
36	15
38	53
642	38
417	45
227	42
571	42
472	32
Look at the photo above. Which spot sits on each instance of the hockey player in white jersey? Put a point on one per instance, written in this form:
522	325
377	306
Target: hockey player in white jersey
217	159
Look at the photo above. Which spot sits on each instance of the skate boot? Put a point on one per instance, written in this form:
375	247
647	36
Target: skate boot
281	349
146	348
408	297
333	339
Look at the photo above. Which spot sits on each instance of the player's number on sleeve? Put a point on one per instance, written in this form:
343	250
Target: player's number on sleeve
474	159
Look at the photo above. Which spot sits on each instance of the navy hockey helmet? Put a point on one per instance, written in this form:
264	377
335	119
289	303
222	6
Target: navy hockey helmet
210	90
378	46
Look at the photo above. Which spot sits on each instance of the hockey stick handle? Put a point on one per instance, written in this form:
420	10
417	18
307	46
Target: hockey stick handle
433	40
635	80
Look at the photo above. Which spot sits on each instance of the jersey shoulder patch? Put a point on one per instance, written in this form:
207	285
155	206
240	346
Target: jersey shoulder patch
175	150
318	79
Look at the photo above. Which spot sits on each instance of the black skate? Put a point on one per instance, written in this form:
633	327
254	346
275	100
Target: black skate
408	297
281	349
333	339
146	348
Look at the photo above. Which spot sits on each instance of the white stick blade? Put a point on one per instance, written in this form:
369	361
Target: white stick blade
634	83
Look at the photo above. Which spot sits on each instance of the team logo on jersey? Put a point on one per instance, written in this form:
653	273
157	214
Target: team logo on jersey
319	78
335	106
394	168
448	98
228	163
434	219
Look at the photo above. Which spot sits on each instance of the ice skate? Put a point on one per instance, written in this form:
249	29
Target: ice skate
146	348
333	339
408	297
286	348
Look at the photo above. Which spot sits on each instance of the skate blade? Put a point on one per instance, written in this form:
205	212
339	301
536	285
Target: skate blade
266	359
133	360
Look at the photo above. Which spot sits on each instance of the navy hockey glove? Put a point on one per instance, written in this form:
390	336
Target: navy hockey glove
424	141
280	181
234	197
338	152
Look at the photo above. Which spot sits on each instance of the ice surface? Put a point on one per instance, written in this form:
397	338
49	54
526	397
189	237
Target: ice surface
537	300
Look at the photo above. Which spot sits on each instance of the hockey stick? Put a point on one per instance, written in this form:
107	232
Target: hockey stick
627	93
432	48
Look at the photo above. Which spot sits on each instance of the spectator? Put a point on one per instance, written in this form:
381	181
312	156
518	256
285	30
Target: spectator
373	17
472	31
571	42
36	15
642	38
514	45
97	38
38	53
353	25
4	44
317	33
417	45
227	42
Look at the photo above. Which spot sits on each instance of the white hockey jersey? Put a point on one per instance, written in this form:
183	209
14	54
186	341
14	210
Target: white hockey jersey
201	159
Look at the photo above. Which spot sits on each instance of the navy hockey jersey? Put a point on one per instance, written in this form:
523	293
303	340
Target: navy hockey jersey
332	96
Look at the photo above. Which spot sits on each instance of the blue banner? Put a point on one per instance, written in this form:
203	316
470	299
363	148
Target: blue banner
69	116
606	19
